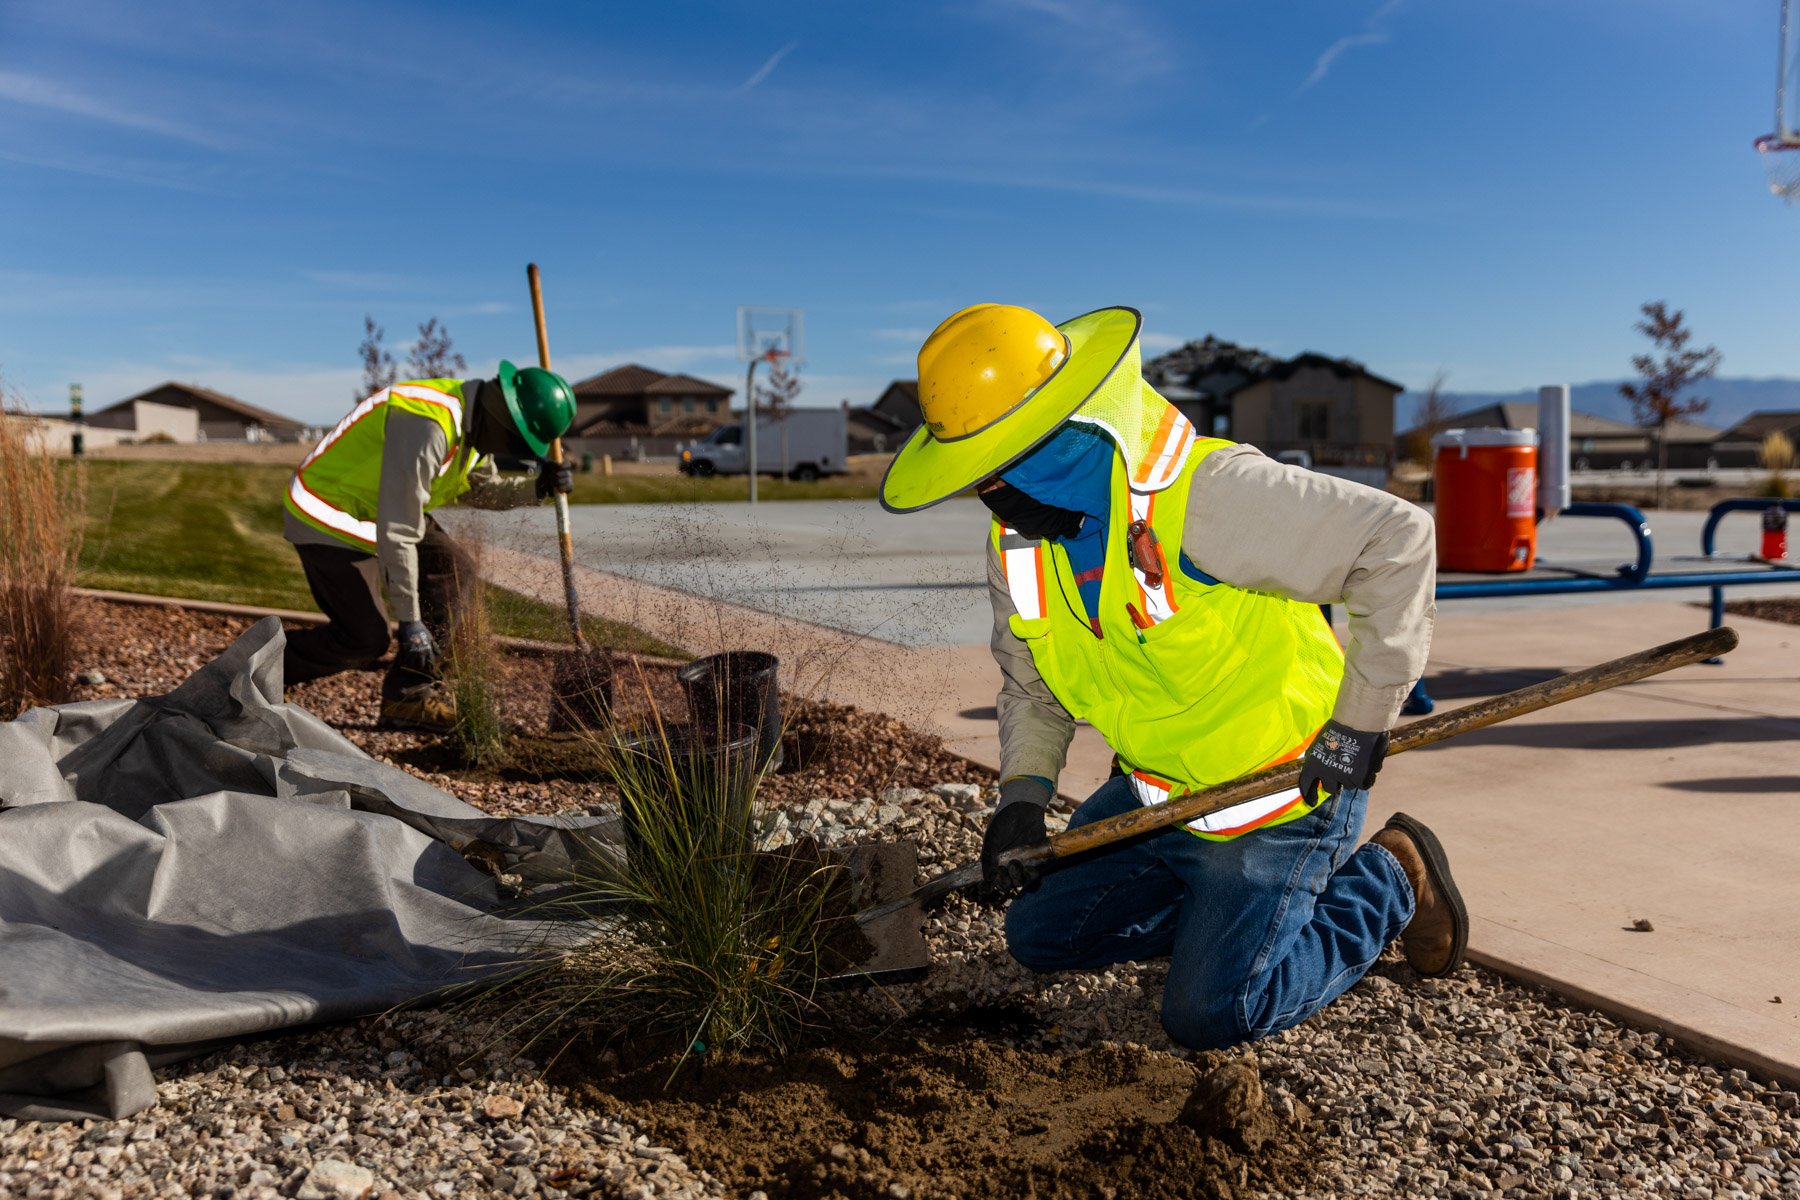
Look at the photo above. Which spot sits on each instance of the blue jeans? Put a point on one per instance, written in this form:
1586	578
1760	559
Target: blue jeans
1262	931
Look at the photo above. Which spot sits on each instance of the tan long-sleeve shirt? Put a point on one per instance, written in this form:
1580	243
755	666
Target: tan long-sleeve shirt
1266	526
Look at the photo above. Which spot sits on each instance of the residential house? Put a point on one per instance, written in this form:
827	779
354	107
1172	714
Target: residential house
1741	445
636	411
1597	443
219	417
1335	410
884	426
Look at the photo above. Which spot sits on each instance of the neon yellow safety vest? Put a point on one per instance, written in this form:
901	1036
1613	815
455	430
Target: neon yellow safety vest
336	487
1192	682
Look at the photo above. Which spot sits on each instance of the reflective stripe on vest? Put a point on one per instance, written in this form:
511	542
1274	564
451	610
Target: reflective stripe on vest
1023	562
324	506
1227	822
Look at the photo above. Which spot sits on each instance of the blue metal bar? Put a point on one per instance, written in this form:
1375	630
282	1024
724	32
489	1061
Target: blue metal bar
1635	572
1552	587
1730	506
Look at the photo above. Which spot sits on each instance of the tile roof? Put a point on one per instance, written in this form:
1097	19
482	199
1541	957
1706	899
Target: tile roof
1212	365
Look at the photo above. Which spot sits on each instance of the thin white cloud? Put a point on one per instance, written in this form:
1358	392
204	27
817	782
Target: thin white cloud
761	73
36	92
1322	67
901	335
1110	36
108	169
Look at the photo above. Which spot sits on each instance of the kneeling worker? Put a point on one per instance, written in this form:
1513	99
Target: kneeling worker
357	514
1163	586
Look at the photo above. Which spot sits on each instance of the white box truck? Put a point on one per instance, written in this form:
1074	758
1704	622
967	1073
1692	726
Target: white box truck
802	443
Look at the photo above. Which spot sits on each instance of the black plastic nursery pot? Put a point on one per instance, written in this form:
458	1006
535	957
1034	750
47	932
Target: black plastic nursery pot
581	691
701	779
735	688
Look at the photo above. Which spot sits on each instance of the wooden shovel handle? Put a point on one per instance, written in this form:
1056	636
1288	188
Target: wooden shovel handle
564	537
1436	728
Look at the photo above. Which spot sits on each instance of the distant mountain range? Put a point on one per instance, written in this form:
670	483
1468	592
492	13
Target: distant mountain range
1732	400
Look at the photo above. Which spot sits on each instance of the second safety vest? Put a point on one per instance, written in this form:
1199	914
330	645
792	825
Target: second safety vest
337	486
1191	681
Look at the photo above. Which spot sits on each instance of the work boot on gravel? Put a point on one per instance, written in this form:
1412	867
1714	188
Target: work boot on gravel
1437	935
427	710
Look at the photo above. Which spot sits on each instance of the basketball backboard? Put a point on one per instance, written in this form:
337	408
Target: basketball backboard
771	332
1780	150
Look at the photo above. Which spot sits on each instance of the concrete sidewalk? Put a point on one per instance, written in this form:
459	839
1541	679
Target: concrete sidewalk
1676	800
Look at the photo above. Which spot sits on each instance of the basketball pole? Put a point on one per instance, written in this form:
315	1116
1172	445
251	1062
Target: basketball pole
750	428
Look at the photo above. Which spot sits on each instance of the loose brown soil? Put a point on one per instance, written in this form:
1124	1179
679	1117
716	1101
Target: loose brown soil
901	1114
1786	611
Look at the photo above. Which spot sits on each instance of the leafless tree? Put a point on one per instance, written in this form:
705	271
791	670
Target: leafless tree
1431	414
779	389
378	365
433	356
1667	373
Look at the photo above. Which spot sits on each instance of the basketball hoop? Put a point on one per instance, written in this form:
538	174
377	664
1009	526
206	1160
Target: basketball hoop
1781	159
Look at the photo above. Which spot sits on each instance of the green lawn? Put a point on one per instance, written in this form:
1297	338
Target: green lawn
212	531
676	488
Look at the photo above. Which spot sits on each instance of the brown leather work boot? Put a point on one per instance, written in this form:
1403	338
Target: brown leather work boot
428	710
1437	935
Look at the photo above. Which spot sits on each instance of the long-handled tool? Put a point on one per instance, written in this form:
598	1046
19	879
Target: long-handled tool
581	683
564	538
1479	715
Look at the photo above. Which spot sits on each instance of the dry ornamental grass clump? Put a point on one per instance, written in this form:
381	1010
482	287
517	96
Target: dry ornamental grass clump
41	511
697	942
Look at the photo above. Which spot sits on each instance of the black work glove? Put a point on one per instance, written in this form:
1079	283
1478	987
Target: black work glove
1019	821
555	477
1341	758
417	653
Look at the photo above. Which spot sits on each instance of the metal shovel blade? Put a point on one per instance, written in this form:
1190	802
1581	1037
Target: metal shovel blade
882	874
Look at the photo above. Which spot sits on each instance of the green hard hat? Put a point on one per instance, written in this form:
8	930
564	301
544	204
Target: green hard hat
541	403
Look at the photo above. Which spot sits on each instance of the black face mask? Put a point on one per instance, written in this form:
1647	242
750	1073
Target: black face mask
493	432
1029	517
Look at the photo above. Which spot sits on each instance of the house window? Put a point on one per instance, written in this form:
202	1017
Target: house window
1315	420
687	404
712	406
662	406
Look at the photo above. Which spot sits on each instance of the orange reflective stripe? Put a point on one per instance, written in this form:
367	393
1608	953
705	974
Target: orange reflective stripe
1158	443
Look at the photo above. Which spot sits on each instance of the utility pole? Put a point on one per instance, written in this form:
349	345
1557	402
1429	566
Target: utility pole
77	440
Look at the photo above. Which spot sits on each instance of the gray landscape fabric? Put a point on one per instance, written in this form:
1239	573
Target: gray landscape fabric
186	870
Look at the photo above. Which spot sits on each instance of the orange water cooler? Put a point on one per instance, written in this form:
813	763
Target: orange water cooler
1486	486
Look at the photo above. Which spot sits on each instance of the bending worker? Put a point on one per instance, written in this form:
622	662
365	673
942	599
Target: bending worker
357	513
1163	587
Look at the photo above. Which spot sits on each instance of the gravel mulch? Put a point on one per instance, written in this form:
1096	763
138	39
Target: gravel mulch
1469	1087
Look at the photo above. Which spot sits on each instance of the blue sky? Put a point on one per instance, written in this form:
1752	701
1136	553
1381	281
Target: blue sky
218	192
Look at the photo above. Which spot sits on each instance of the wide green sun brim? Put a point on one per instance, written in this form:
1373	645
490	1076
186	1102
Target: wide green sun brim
509	388
928	471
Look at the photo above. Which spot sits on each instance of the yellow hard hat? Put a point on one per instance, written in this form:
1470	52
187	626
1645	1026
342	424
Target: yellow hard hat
982	363
994	382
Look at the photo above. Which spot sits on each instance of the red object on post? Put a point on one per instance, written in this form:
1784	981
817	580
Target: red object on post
1485	481
1774	539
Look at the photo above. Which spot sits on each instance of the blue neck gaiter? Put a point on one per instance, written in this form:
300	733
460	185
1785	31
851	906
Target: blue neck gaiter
1073	470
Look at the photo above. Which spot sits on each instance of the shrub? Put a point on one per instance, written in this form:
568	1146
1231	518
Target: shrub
480	734
696	941
41	510
1777	456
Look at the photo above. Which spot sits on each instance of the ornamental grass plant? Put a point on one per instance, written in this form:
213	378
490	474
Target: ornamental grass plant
41	516
481	732
1777	457
696	942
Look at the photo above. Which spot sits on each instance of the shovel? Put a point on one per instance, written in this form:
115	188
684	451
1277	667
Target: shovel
900	919
581	682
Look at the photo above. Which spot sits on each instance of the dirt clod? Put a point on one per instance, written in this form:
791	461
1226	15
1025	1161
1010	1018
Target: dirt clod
1228	1103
